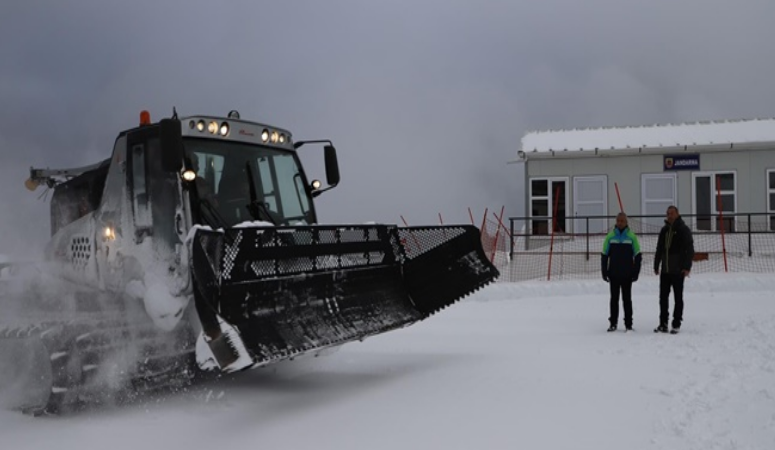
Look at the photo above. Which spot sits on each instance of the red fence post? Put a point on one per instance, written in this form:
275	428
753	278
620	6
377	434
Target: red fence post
554	225
416	242
621	207
497	233
721	221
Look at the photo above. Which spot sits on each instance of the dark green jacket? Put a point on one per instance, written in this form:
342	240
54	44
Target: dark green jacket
675	248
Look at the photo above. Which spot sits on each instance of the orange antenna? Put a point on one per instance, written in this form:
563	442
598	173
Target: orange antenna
145	118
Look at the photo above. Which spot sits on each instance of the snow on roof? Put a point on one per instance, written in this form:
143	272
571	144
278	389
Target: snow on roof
660	135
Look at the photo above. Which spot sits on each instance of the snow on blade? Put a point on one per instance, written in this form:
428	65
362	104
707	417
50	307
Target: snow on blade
254	224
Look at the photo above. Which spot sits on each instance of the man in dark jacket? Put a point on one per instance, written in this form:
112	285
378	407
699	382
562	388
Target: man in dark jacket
620	263
675	252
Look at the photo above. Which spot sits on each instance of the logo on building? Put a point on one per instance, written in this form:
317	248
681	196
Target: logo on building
682	162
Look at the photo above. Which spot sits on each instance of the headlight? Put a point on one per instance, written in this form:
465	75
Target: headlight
265	135
200	125
189	175
315	185
212	127
282	138
224	129
275	137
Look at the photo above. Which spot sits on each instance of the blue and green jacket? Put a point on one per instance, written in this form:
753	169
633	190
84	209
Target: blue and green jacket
621	256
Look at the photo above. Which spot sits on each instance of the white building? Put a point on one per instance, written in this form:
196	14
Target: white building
691	165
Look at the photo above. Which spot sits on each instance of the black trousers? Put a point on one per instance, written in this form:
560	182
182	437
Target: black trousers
666	282
625	287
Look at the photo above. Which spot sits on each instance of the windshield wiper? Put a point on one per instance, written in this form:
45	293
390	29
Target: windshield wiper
212	217
255	208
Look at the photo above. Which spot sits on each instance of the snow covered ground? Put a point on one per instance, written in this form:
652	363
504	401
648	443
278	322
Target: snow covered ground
523	365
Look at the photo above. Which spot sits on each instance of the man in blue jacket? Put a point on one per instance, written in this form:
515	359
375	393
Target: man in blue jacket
620	263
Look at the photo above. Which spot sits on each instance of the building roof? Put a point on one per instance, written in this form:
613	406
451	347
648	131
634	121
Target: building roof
652	136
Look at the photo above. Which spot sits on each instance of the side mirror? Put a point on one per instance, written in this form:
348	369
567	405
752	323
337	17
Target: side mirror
171	140
332	165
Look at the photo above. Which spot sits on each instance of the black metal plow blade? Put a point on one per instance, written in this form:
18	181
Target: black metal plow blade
291	290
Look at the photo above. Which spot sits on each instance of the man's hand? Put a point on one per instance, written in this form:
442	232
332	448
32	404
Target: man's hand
656	271
685	273
605	277
634	278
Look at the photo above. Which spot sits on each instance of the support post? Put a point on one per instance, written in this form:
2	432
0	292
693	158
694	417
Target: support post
750	249
587	233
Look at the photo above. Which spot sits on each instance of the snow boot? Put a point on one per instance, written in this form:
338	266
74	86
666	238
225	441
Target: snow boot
612	328
662	328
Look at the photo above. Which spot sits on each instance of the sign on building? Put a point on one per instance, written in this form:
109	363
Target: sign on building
682	162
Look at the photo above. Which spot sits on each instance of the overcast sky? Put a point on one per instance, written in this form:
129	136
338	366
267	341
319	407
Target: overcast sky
426	101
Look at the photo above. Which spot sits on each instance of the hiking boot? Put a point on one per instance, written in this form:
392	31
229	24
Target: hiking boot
628	328
612	328
675	330
662	328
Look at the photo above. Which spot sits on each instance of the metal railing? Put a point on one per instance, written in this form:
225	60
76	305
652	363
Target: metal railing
536	230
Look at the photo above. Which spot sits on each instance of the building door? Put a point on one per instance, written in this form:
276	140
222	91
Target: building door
658	191
714	192
590	199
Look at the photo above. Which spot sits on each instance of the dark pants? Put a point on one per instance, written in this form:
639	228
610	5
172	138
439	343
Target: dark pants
676	282
625	286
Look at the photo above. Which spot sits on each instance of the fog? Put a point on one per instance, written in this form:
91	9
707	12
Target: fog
426	101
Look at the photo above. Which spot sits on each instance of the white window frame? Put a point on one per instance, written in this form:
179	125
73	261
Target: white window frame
770	207
658	175
577	228
714	193
550	198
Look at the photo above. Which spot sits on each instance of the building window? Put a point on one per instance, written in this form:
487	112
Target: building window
590	199
771	197
545	195
714	193
658	191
